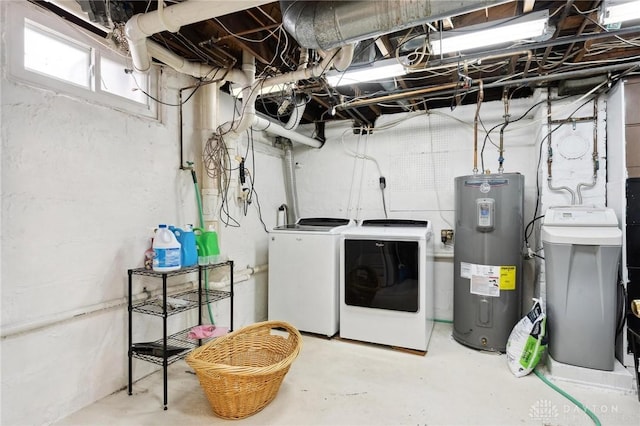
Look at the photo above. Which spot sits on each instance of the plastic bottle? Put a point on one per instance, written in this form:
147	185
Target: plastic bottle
167	250
187	240
207	243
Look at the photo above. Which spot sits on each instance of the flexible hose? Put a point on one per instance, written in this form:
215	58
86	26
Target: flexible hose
578	404
201	218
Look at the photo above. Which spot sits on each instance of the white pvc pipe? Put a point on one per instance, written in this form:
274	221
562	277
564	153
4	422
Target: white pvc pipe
239	276
141	26
265	125
51	320
340	58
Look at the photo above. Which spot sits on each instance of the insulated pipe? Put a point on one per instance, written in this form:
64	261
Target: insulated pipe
171	18
329	24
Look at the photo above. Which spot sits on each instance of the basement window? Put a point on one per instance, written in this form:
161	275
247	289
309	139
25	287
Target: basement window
116	79
54	54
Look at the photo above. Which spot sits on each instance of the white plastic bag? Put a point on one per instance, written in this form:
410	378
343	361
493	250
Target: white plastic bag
527	341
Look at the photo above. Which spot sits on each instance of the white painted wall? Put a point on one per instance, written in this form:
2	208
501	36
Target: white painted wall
419	158
83	186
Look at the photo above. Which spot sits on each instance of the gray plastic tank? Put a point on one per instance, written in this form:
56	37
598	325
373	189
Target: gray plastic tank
487	259
582	248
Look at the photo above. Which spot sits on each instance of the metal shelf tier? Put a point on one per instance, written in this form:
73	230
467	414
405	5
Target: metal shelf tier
178	339
171	348
154	306
181	271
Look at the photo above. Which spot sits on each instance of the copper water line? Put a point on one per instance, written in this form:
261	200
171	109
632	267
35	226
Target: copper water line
475	127
594	155
505	100
402	95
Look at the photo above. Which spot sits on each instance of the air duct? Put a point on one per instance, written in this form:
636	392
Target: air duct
330	24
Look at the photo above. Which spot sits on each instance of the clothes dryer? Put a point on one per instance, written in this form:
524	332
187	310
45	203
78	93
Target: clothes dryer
387	283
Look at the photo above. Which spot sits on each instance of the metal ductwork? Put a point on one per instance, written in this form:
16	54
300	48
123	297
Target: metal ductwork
329	24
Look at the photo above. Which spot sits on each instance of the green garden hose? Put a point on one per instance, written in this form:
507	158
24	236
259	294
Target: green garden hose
578	404
201	218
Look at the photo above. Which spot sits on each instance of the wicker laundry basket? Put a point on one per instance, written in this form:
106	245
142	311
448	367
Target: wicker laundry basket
241	372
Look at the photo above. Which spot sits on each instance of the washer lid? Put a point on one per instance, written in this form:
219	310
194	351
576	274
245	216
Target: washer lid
395	222
315	225
323	221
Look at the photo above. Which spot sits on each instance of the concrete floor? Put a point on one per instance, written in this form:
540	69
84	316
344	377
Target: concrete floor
336	382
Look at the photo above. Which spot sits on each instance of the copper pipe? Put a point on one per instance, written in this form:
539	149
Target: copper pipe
402	95
475	127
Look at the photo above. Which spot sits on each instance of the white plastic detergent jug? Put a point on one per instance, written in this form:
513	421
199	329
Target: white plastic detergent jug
167	250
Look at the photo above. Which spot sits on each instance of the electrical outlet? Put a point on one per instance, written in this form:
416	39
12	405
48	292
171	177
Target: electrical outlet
446	235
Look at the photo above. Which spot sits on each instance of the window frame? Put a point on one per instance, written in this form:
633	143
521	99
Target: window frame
20	15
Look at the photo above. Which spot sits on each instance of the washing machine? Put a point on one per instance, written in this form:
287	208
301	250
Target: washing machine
387	283
303	274
582	247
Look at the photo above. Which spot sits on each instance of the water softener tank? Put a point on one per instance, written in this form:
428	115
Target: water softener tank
487	259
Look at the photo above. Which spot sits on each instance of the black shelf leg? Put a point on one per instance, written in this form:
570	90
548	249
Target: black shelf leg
164	334
200	295
231	290
130	308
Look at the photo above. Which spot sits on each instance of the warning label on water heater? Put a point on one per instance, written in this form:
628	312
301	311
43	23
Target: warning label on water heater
488	280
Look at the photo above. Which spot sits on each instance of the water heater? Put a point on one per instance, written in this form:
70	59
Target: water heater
487	259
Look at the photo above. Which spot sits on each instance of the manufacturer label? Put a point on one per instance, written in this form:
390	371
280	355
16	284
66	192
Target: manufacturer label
488	280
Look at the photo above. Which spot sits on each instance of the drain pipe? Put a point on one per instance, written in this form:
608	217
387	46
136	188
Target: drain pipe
244	78
340	58
171	18
290	182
